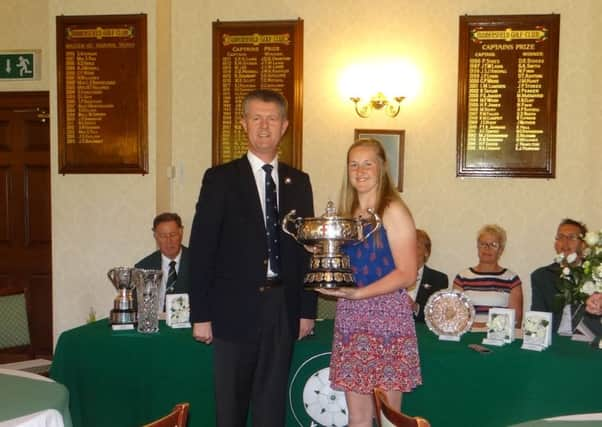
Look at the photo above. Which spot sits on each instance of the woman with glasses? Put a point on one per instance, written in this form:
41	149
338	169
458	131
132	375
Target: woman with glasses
488	284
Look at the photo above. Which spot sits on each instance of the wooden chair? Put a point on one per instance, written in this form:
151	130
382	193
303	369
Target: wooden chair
387	416
176	418
15	328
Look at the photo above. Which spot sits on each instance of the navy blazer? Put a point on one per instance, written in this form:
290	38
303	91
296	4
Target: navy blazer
153	261
229	249
544	282
431	282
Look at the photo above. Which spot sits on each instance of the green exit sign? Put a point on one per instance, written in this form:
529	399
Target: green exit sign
16	65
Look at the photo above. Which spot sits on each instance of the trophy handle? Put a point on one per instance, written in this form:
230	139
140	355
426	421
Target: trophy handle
111	275
376	227
285	221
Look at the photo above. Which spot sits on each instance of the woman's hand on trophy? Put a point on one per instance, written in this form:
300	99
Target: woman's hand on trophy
202	332
347	293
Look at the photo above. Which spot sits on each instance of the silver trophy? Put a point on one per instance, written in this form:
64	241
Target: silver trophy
124	307
329	267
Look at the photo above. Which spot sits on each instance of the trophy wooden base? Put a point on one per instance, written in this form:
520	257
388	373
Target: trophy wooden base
328	285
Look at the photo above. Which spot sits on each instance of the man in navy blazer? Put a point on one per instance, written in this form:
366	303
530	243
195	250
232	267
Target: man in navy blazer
544	280
428	280
168	233
249	305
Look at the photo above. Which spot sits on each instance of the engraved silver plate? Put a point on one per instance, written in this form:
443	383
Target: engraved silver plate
449	313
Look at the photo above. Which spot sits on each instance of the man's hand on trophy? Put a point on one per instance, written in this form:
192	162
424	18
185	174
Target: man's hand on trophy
202	332
347	292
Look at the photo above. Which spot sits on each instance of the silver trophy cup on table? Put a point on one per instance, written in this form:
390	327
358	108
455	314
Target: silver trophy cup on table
124	308
329	267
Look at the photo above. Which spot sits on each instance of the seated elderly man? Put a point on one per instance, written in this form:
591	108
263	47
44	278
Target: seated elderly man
544	281
488	284
428	281
172	257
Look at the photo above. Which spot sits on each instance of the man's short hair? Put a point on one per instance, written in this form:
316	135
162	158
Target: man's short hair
266	95
166	217
569	221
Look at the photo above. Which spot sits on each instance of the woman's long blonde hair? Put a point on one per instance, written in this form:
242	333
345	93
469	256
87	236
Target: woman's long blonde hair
385	191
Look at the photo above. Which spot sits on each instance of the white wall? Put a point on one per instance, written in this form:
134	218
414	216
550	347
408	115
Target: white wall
100	221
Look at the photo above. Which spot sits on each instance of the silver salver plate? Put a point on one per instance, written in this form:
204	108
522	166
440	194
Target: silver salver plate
449	314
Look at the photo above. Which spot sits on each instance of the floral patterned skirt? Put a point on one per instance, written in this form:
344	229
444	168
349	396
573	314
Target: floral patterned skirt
375	345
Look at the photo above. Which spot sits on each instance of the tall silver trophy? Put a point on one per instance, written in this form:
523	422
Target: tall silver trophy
124	307
329	267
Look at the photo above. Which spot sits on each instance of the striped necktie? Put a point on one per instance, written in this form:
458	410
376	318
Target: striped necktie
271	219
172	277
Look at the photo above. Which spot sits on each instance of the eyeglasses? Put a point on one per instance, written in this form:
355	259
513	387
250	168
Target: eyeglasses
568	237
490	245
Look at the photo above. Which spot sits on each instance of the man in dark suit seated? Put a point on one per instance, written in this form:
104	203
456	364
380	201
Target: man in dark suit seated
545	280
428	281
172	257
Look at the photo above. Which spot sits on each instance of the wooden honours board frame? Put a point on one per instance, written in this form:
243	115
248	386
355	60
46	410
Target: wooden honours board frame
507	92
102	94
251	55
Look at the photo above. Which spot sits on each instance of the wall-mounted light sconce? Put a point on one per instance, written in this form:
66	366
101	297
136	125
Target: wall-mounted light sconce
378	102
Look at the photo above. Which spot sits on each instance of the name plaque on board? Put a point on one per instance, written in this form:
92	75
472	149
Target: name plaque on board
102	94
253	55
507	92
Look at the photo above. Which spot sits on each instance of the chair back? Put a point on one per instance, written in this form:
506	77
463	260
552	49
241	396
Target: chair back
387	416
176	418
14	323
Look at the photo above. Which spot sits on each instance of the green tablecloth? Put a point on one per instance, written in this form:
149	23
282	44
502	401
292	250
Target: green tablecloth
126	379
21	396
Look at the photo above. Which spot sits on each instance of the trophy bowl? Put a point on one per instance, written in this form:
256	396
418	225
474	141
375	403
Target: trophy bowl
124	305
329	267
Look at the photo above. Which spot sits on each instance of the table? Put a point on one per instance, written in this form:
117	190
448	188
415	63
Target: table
580	420
31	400
126	379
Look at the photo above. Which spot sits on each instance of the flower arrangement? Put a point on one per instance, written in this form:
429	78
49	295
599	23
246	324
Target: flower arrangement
581	277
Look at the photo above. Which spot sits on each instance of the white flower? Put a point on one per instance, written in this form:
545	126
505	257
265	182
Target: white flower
566	271
559	258
588	287
597	273
591	238
599	287
571	258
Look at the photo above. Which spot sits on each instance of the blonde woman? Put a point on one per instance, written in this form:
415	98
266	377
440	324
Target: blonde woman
374	342
488	284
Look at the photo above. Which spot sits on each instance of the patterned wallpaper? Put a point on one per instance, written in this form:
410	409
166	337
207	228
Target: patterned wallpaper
100	221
